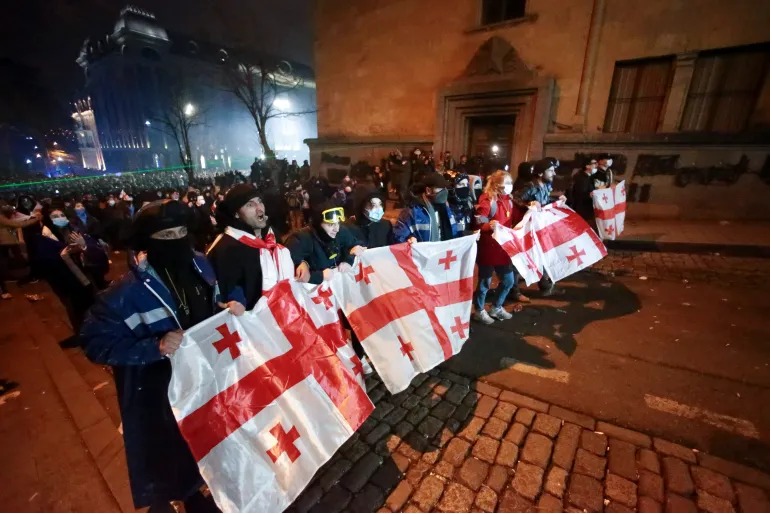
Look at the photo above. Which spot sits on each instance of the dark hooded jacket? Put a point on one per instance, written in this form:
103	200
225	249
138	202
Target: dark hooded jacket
372	234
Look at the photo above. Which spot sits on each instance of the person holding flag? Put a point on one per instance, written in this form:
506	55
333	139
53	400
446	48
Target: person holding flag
133	327
323	246
535	195
246	257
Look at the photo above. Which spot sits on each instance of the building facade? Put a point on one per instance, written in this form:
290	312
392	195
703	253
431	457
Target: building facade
132	75
677	90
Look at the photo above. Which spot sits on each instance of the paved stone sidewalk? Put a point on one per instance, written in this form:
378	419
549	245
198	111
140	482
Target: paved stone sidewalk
449	444
728	271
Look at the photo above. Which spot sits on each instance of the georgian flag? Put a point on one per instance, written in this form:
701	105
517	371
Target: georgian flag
410	305
264	400
519	244
275	259
566	242
610	205
552	239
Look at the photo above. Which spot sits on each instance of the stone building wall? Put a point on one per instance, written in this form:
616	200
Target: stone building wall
384	69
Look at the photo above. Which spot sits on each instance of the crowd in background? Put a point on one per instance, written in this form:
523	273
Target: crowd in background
64	230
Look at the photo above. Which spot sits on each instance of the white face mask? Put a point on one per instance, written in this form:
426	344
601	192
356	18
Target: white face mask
507	189
374	214
110	202
200	201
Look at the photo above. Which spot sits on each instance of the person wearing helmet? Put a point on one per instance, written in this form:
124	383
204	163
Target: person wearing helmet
134	326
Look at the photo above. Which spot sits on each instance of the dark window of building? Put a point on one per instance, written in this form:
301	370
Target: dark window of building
151	54
725	89
638	93
495	11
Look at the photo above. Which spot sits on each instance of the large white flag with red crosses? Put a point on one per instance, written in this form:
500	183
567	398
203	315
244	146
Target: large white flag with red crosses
264	399
553	240
566	242
610	205
410	305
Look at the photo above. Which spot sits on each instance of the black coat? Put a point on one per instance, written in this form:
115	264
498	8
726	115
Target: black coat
372	234
580	201
238	271
306	245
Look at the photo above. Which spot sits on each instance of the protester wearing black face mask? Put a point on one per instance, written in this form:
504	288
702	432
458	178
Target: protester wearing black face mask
133	327
460	197
428	216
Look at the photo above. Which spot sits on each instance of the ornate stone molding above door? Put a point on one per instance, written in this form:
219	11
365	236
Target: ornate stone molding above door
496	82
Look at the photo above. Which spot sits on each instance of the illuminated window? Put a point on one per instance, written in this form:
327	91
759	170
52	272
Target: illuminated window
496	11
725	88
638	93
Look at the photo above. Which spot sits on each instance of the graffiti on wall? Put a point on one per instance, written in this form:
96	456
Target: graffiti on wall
340	160
722	173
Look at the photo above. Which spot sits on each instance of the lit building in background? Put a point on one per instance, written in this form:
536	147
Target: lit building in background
128	77
88	138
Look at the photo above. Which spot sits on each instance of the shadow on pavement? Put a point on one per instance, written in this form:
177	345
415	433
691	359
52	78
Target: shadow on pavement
589	297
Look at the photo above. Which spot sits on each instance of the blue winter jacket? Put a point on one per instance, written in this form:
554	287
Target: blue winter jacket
414	221
123	329
124	326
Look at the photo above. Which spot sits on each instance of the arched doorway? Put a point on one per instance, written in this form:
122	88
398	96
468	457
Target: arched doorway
498	106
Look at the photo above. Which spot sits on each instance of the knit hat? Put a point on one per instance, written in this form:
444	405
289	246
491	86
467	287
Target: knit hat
236	197
541	166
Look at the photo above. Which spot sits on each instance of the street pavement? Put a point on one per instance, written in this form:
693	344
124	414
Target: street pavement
622	394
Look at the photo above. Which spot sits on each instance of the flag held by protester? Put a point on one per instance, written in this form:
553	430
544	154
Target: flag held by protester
554	239
410	305
610	205
264	399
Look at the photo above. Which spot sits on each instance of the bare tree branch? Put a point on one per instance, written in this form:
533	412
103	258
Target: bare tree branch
178	116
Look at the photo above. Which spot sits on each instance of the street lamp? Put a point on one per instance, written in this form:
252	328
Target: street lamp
189	109
495	148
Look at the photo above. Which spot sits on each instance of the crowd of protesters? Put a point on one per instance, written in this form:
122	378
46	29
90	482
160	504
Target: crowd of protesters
67	232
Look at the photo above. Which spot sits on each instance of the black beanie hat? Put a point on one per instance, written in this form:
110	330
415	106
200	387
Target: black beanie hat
236	197
541	166
155	216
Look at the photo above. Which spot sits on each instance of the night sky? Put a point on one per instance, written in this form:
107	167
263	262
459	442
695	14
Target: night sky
48	34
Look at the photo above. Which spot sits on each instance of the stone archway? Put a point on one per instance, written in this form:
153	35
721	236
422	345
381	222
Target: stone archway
496	82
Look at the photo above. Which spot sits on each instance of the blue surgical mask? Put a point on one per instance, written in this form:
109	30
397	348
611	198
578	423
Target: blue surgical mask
374	214
60	222
80	211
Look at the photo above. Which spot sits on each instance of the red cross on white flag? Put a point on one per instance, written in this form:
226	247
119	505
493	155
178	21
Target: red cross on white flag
250	394
519	243
554	239
566	242
414	312
610	206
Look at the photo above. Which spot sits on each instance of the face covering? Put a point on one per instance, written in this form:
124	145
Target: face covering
111	202
440	197
60	222
80	211
374	214
508	189
462	193
200	201
169	253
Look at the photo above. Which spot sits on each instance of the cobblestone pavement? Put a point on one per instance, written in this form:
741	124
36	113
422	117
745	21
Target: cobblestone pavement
692	267
449	444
